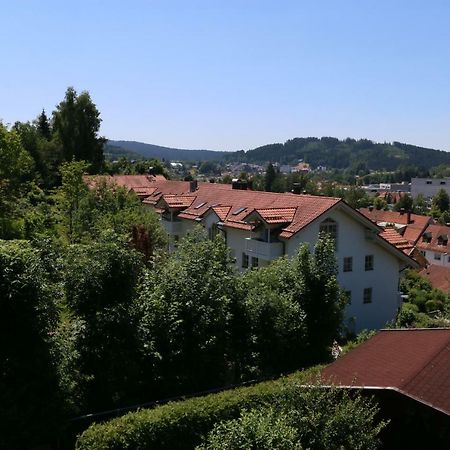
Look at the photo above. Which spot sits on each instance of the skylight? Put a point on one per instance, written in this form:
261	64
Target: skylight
239	210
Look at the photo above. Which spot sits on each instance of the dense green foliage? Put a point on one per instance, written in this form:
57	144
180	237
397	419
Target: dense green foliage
322	419
265	429
425	306
30	402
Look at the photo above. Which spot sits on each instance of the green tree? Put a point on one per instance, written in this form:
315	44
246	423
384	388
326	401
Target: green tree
440	202
419	205
317	290
43	126
73	190
101	359
405	203
16	170
31	408
186	310
379	203
269	177
76	123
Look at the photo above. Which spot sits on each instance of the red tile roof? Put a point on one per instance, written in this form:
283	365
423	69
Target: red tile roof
415	362
393	237
277	215
436	244
438	276
411	230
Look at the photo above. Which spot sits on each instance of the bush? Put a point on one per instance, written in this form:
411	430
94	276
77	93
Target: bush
324	418
264	429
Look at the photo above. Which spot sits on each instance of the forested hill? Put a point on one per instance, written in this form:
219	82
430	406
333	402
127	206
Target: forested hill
325	151
335	153
156	151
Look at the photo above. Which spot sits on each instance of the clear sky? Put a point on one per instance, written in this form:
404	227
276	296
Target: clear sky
228	75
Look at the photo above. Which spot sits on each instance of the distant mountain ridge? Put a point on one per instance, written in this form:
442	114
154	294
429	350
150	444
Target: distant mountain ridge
326	151
160	152
347	153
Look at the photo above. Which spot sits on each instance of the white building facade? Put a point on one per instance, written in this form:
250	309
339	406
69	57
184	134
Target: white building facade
260	227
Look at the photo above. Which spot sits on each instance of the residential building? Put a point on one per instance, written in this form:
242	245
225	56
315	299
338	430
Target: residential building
410	226
434	245
428	187
262	226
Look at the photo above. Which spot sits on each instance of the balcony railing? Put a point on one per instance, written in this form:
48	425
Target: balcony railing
172	227
262	249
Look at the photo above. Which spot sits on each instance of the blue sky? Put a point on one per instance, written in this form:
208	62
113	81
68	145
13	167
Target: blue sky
228	75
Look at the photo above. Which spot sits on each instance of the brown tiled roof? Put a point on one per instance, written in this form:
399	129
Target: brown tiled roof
415	362
393	237
411	230
436	245
438	276
277	215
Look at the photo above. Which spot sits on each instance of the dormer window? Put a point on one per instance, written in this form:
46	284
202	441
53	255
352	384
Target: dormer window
426	237
443	239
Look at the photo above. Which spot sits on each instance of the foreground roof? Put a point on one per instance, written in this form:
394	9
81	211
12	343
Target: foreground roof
414	362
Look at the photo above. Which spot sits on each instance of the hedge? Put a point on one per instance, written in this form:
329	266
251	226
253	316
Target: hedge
180	425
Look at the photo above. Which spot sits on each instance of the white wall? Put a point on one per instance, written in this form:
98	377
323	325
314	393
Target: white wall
444	261
351	242
383	279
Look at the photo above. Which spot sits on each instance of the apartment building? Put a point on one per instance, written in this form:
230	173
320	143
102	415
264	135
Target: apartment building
262	226
428	187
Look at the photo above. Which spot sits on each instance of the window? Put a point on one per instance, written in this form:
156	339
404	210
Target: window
348	263
448	259
348	294
213	231
426	237
239	210
329	226
437	256
429	182
442	182
423	252
255	261
367	297
244	260
368	265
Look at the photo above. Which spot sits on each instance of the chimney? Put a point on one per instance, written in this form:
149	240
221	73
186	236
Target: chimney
402	211
408	217
371	208
240	185
296	188
193	185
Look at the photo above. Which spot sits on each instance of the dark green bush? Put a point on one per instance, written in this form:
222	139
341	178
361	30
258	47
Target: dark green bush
324	418
181	425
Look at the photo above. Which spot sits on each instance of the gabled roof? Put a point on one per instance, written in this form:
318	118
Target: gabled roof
414	362
438	234
392	236
411	229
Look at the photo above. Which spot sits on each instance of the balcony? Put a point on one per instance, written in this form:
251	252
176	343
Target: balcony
172	228
262	249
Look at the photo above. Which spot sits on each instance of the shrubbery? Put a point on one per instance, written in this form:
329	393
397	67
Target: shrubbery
315	417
